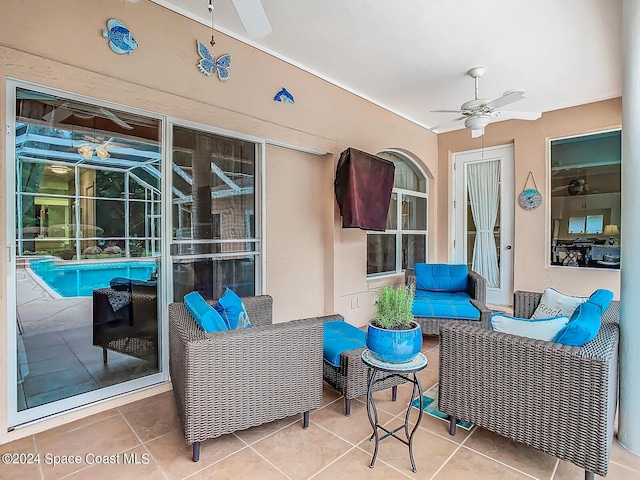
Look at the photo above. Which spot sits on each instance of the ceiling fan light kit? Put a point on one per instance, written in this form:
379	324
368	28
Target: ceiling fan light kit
478	112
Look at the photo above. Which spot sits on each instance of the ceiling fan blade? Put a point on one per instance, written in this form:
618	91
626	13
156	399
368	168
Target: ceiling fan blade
477	133
118	121
446	111
253	17
57	115
511	115
439	128
508	97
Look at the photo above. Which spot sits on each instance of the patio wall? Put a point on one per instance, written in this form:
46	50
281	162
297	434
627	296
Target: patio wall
313	265
532	237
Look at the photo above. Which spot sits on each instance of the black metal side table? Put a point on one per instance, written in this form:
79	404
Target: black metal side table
388	370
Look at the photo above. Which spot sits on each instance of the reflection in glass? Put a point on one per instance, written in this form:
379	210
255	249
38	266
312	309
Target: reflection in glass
414	213
381	253
214	203
81	297
413	250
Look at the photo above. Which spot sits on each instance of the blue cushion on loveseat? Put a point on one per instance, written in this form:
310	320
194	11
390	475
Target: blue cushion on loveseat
429	295
449	309
339	337
204	314
586	320
440	277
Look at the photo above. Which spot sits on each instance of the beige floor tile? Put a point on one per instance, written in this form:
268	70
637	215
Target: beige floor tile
466	464
429	451
300	453
517	455
134	464
429	342
57	432
355	465
175	457
145	401
433	359
255	434
245	465
569	471
624	457
106	437
23	462
354	428
154	418
329	394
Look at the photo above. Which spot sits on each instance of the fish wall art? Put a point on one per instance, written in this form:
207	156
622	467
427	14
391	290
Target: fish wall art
208	63
120	38
284	96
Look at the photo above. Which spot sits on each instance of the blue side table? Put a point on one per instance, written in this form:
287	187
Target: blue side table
388	370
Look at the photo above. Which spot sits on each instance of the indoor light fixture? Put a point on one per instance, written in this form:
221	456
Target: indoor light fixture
478	122
59	169
102	153
611	231
86	151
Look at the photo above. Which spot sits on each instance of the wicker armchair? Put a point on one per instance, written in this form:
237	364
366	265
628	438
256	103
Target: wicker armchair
477	289
558	399
236	379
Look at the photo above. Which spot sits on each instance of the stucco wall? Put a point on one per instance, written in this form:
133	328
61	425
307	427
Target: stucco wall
313	266
532	237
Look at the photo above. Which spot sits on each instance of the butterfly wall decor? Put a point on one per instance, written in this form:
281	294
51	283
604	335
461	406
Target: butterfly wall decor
208	63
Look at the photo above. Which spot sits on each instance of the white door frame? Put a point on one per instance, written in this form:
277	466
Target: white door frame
505	154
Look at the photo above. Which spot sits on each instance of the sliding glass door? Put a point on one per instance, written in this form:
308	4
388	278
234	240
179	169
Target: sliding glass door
86	218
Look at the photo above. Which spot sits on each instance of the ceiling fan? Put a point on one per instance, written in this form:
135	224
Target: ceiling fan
477	113
576	186
252	15
68	108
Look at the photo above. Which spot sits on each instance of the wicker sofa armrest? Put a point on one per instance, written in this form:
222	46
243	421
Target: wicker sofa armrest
235	379
477	287
559	399
525	303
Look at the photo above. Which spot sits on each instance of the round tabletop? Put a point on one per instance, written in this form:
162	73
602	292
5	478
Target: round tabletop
417	363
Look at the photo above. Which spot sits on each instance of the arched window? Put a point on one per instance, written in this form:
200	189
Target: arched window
404	242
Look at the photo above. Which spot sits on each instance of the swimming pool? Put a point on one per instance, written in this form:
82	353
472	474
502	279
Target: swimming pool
81	279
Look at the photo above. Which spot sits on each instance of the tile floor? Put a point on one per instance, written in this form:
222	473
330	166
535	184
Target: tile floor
334	447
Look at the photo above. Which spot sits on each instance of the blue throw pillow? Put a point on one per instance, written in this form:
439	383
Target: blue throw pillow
441	277
586	320
232	310
539	328
204	314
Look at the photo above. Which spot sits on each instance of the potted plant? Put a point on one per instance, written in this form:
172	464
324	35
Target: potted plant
393	335
92	252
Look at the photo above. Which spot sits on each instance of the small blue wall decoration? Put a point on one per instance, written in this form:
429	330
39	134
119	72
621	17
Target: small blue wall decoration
120	38
284	96
208	62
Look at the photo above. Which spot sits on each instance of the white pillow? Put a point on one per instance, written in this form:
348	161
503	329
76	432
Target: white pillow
541	329
553	304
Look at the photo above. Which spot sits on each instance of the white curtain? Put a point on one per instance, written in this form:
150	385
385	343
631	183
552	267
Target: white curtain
483	180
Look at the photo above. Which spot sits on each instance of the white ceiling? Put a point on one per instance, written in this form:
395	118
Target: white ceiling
411	56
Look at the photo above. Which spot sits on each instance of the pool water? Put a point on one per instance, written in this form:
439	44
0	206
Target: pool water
81	279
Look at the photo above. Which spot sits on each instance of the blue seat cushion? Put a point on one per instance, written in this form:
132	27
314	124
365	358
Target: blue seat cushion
440	277
586	320
450	309
232	310
429	295
204	314
339	337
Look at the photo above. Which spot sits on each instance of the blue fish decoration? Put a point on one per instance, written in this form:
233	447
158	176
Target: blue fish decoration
284	96
208	63
120	38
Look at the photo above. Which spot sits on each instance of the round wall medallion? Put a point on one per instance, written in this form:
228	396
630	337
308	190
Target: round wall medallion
530	199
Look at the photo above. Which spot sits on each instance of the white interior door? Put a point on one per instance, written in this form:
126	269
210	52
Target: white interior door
500	288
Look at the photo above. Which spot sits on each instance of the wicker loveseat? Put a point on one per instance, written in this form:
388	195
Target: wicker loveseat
476	292
558	399
236	379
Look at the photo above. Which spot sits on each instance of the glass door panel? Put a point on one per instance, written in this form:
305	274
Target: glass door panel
87	216
215	239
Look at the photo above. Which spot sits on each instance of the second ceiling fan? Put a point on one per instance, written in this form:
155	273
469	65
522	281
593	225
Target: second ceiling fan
477	113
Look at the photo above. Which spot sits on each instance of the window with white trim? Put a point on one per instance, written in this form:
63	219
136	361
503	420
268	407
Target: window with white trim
404	241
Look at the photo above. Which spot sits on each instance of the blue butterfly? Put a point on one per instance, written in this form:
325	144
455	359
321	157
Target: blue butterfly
208	63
